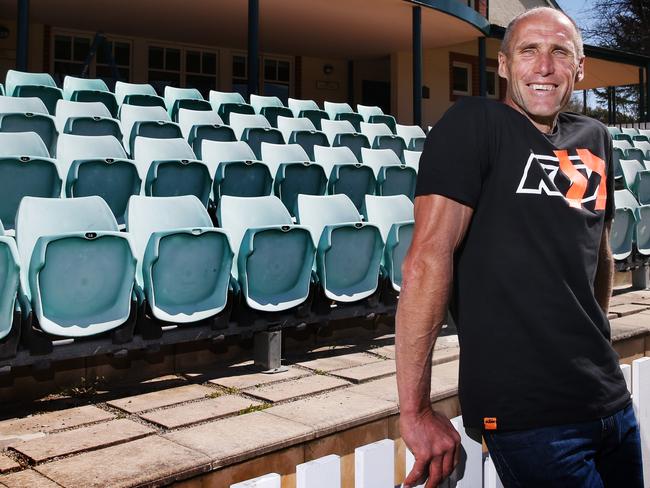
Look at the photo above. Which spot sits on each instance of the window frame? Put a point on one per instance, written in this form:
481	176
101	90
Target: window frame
468	67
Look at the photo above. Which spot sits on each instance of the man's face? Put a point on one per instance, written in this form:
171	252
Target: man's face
542	67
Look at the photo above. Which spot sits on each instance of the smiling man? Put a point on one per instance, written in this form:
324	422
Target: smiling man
512	216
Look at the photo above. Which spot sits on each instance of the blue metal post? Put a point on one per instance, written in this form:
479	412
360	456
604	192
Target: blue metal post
22	49
417	66
253	46
482	68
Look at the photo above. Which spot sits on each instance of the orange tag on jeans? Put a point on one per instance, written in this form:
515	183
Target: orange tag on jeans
490	423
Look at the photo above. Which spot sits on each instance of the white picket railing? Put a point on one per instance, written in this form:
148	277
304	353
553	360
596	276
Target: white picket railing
374	464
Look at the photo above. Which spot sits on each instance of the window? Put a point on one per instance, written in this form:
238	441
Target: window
461	82
277	78
164	67
492	82
201	70
70	53
240	74
120	52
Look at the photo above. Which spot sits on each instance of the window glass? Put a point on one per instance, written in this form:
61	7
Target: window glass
193	62
62	47
156	58
172	59
81	48
461	79
209	64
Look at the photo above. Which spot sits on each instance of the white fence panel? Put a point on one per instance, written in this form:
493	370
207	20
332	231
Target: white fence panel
374	465
469	473
323	472
490	475
271	480
641	402
410	461
627	374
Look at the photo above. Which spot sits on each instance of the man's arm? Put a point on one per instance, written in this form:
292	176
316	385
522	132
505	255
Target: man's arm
440	225
603	283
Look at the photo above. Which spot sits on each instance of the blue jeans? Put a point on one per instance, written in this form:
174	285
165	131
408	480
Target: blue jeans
595	454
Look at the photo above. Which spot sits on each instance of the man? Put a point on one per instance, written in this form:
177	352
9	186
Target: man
513	211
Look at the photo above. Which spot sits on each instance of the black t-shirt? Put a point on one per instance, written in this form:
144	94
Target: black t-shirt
534	343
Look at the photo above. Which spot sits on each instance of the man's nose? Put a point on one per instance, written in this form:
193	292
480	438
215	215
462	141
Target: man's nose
544	64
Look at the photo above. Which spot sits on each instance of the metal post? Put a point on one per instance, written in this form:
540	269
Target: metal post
647	93
253	46
268	351
641	96
609	105
482	65
584	102
614	105
417	65
22	49
351	83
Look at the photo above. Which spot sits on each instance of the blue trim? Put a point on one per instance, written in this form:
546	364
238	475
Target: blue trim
458	10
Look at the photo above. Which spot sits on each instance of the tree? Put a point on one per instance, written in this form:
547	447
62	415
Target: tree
622	25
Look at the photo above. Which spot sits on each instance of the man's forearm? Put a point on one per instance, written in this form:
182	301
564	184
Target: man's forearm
604	281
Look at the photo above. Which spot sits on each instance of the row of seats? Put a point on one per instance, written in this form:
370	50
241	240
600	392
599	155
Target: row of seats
78	274
630	234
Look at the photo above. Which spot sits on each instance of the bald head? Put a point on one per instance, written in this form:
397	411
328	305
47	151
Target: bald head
541	11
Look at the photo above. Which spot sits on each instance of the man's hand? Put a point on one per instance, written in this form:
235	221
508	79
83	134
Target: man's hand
435	444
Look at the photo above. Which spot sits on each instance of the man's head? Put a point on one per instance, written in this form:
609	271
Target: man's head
542	58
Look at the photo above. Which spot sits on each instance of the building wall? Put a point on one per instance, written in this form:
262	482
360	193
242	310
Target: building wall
503	11
317	85
8	48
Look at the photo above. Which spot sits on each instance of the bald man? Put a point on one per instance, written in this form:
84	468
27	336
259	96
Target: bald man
513	208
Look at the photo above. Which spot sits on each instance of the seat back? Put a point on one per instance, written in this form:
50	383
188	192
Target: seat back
317	211
71	147
643	145
16	78
123	89
622	144
22	144
367	111
629	130
373	130
621	237
9	280
297	105
240	122
172	94
412	159
630	168
148	150
274	155
287	125
41	124
10	105
217	98
308	140
72	84
327	157
189	118
130	114
332	128
377	158
259	102
625	199
385	211
408	132
66	109
215	152
334	108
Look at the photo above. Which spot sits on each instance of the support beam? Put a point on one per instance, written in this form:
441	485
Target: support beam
417	66
641	96
482	68
22	48
584	102
647	93
253	46
614	105
351	83
609	105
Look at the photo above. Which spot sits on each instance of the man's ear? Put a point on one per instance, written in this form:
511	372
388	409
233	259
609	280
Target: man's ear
580	73
503	65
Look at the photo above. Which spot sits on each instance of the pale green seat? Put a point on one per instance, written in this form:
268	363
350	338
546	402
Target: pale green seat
349	251
9	283
393	177
131	114
343	111
97	165
622	144
184	263
187	119
289	125
153	129
293	173
381	136
342	133
303	132
412	159
169	168
394	217
271	108
11	105
77	269
640	138
635	153
637	179
39	85
89	90
367	111
188	98
643	145
333	128
375	115
40	123
273	257
203	125
142	94
413	136
631	131
225	103
622	137
254	130
385	119
66	109
235	170
613	130
645	132
345	175
22	144
86	119
624	226
308	109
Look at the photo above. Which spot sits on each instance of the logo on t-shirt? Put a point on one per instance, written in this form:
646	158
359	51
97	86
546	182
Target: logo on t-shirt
579	178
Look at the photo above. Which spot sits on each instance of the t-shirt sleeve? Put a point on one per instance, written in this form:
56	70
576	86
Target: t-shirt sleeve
455	154
609	154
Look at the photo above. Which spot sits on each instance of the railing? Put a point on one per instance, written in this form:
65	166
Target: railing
374	464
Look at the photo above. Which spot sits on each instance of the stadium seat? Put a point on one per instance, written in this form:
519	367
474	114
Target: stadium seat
412	159
200	125
303	132
235	170
141	94
77	269
367	111
622	137
9	283
86	119
169	168
184	263
343	111
177	98
640	137
643	145
345	174
349	252
39	85
187	119
645	132
622	144
413	136
626	224
25	170
293	173
394	217
2	89
380	136
308	109
225	103
375	115
89	90
333	128
254	130
637	179
39	122
393	177
631	131
10	105
635	153
270	107
613	130
273	257
148	122
98	166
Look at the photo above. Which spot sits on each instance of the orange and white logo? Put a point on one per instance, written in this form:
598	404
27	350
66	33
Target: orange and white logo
578	179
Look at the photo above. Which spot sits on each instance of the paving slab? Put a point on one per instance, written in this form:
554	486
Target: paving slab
627	309
150	460
246	436
37	425
367	372
82	439
7	464
387	352
630	326
341	361
27	479
195	412
161	398
334	411
246	378
445	355
383	389
277	392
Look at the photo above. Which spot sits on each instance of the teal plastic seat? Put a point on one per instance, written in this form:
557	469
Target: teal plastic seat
293	173
635	153
642	144
184	263
34	85
41	124
200	125
412	159
76	268
142	94
349	251
637	179
372	131
308	109
273	257
354	119
169	168
394	143
622	137
89	90
353	141
289	125
302	131
413	136
271	108
130	114
333	109
345	174
217	98
22	144
66	109
225	103
333	128
613	130
235	170
188	98
367	111
387	120
9	283
622	144
187	119
624	225
631	131
14	105
254	130
153	129
393	177
394	217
